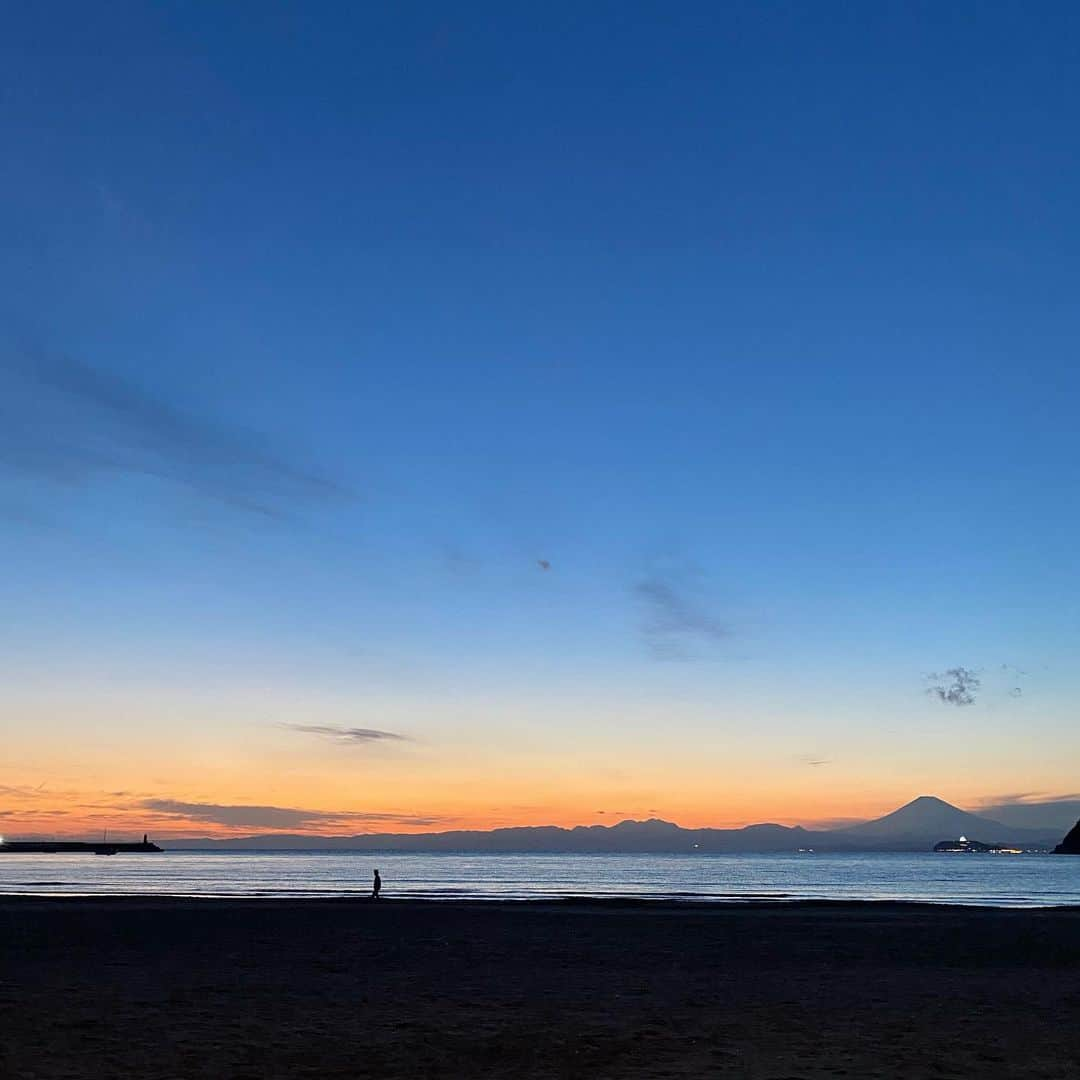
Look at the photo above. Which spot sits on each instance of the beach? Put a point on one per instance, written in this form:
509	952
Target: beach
253	989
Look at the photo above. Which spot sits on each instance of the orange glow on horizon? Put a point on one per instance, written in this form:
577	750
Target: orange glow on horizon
220	781
79	815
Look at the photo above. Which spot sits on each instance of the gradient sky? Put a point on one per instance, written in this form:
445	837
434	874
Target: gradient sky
321	326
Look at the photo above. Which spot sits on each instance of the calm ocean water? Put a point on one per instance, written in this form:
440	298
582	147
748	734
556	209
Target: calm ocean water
1008	881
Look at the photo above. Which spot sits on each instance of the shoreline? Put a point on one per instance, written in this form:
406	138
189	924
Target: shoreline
575	903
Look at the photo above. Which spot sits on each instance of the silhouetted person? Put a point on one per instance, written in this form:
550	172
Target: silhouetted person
376	886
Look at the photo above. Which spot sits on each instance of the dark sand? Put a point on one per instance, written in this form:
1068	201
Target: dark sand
345	989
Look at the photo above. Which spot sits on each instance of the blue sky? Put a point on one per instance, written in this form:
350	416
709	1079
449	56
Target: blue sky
757	321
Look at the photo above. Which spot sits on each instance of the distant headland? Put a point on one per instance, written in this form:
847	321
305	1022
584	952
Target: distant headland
1071	844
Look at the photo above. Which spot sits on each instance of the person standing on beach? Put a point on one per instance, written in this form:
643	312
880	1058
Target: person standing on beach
376	886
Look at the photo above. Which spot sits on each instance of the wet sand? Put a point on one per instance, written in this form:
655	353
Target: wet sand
172	988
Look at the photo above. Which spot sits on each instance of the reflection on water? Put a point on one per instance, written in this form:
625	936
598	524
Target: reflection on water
1020	881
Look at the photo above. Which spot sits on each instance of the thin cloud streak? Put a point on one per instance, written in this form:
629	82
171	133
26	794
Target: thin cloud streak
1028	798
24	790
354	735
68	423
1033	809
277	817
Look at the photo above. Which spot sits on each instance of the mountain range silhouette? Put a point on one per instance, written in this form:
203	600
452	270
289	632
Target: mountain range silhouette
916	826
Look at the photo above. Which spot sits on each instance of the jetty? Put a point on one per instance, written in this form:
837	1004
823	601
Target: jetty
62	847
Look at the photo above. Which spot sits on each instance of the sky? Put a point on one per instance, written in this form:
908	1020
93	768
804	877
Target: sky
421	418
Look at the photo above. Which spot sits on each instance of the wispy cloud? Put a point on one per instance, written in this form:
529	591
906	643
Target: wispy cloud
1014	675
24	791
67	422
277	817
1013	671
1028	798
1033	809
673	621
954	686
355	735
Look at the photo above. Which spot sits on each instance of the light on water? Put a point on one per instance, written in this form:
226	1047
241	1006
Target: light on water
1020	881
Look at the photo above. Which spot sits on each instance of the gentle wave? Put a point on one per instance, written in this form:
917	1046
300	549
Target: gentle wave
1017	881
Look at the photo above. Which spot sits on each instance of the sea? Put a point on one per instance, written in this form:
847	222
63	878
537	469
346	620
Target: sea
1028	880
